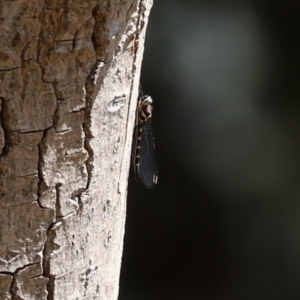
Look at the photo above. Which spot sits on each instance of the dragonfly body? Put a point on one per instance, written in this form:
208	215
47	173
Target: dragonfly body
144	152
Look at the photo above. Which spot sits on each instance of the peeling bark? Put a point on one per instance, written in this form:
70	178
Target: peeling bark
69	77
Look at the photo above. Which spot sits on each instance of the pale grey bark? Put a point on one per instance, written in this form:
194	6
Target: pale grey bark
69	77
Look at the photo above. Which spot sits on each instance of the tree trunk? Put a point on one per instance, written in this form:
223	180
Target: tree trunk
69	77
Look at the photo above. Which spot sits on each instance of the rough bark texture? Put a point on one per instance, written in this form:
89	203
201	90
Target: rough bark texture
69	76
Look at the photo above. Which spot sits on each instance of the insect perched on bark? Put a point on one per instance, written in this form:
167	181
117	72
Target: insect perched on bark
143	145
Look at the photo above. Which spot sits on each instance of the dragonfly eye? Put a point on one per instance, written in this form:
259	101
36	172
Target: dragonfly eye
147	100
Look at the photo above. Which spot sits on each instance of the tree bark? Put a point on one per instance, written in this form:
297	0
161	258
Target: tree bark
69	77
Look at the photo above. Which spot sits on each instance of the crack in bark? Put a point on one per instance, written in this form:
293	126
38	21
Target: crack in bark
57	202
13	286
18	205
41	182
89	86
7	70
46	264
56	112
6	133
50	288
80	203
27	175
28	132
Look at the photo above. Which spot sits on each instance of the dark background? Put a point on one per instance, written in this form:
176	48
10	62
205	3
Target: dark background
224	220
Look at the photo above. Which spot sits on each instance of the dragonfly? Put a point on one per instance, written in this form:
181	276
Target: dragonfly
144	162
